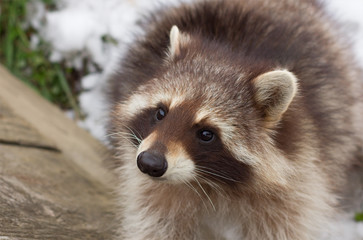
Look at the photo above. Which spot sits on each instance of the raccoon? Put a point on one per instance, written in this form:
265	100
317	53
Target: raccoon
235	120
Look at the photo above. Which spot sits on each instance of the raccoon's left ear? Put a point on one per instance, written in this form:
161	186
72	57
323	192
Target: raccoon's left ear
177	39
275	91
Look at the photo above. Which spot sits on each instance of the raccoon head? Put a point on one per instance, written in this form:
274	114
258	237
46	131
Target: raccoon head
205	118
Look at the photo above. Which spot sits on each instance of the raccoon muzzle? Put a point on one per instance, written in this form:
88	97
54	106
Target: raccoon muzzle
152	164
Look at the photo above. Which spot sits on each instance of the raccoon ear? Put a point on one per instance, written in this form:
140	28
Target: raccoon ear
274	93
174	41
177	39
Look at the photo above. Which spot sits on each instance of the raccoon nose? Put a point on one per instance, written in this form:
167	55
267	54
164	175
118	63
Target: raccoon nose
153	164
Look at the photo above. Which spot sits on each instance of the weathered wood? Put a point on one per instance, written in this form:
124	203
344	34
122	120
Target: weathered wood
16	131
52	181
50	122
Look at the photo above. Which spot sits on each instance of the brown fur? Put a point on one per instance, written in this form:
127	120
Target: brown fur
265	181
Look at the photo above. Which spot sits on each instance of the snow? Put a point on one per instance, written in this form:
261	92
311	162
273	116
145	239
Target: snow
346	229
350	11
77	29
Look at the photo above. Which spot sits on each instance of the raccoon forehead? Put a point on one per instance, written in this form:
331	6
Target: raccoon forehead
208	106
143	100
223	124
158	92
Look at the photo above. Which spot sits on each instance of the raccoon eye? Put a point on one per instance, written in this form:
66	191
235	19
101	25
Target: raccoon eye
160	114
206	136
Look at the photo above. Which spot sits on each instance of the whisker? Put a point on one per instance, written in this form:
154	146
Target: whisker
132	132
209	171
111	134
133	144
131	136
210	200
134	137
126	135
205	174
138	137
196	191
129	139
121	134
213	185
191	187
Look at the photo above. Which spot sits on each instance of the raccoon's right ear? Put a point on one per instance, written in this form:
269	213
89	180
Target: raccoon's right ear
177	39
275	91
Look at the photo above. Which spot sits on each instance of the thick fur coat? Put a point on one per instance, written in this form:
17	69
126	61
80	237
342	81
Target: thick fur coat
236	120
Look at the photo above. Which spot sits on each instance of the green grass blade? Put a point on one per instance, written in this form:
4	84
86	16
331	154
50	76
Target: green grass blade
65	86
10	36
359	217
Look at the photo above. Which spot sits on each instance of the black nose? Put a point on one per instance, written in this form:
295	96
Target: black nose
153	164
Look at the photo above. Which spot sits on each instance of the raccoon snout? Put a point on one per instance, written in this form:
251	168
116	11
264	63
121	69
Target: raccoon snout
153	164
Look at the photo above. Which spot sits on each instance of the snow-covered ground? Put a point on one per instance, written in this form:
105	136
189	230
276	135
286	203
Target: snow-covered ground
80	29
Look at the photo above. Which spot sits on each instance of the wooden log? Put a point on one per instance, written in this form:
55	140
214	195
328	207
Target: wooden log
53	184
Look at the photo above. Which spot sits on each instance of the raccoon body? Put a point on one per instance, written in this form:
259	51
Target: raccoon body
235	120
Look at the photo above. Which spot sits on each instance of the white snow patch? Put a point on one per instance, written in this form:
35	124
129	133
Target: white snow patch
345	228
90	81
35	14
77	27
360	229
93	105
350	11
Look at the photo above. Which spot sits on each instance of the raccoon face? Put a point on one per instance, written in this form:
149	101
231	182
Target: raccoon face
175	142
182	133
200	121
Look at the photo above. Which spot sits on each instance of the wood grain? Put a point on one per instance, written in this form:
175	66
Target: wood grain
53	184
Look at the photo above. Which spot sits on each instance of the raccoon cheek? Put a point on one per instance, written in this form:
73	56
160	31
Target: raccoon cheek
181	167
275	91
